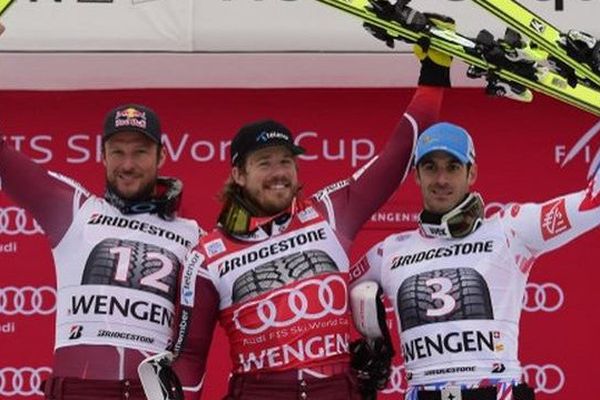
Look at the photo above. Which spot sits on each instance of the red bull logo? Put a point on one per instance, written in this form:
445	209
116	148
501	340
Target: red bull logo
130	117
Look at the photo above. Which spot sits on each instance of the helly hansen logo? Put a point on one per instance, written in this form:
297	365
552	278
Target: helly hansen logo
554	219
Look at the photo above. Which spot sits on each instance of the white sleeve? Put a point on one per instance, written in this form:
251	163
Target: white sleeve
545	227
368	267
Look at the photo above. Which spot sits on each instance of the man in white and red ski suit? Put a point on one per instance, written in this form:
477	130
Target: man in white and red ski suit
118	258
275	270
457	282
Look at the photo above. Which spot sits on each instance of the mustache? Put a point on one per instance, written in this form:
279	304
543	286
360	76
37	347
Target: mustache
278	181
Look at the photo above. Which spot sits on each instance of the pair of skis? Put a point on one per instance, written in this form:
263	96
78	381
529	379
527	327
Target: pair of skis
533	55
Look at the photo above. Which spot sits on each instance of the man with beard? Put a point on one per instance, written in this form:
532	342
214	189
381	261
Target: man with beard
118	257
274	271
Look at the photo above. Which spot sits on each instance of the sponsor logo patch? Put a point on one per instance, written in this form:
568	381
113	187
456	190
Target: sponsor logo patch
214	247
554	219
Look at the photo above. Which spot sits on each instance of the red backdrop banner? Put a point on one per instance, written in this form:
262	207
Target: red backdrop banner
520	151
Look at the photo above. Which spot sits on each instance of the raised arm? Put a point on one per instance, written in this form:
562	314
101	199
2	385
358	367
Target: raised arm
47	197
545	227
350	206
370	187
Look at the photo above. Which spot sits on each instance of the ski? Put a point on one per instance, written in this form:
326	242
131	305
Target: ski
507	69
4	5
576	54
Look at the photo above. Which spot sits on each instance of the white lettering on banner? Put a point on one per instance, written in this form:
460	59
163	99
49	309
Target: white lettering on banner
314	348
35	143
27	300
8	327
547	297
413	217
200	150
581	144
10	247
16	221
85	154
356	149
560	153
82	148
397	216
24	381
269	315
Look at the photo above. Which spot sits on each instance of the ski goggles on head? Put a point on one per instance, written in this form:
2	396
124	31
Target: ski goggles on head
460	221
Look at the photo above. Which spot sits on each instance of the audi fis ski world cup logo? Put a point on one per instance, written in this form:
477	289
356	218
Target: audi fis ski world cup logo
546	297
27	300
24	381
290	305
16	221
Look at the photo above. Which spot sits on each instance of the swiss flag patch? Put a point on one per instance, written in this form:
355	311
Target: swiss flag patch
554	219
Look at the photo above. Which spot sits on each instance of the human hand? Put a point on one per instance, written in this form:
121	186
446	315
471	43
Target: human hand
435	65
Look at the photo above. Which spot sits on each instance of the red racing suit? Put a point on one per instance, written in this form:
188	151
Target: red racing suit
117	280
281	293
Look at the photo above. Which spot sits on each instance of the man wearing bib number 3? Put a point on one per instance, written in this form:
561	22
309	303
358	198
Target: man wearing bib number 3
457	282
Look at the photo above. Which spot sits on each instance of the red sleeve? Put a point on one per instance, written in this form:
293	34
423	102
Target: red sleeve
190	366
371	186
49	200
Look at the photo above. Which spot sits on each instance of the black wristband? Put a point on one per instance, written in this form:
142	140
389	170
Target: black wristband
433	74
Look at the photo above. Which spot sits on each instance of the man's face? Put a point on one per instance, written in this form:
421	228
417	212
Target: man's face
444	181
132	161
269	179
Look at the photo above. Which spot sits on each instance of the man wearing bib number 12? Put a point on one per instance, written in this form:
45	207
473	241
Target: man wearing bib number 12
118	258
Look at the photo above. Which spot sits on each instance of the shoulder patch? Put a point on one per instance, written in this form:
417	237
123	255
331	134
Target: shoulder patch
307	214
554	219
192	265
214	247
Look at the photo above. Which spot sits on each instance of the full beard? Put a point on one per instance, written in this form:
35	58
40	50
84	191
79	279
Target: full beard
144	193
273	206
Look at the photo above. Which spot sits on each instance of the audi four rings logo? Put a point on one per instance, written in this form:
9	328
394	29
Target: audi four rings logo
271	315
23	381
16	221
27	300
547	297
548	378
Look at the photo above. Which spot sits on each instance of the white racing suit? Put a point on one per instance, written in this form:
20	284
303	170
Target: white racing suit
458	301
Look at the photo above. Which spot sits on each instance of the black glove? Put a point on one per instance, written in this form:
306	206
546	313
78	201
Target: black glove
372	360
435	66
